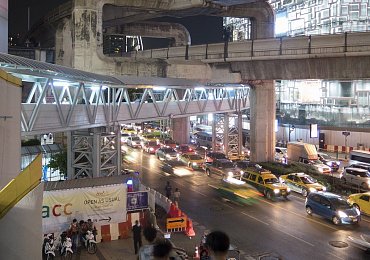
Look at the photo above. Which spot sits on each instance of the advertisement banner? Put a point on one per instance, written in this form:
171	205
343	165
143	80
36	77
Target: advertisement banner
137	200
102	204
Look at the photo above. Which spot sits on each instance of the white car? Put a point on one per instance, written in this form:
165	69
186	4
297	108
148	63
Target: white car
134	141
281	154
124	138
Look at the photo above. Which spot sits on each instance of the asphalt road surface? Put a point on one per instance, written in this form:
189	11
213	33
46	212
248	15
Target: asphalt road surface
280	228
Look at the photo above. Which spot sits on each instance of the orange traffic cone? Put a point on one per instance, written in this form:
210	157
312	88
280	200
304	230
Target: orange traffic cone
173	211
189	229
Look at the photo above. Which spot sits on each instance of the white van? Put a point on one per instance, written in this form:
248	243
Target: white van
359	156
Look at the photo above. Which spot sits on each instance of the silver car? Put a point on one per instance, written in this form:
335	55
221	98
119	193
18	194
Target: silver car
356	176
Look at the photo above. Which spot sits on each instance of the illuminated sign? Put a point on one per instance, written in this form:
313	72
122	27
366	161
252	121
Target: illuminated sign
313	131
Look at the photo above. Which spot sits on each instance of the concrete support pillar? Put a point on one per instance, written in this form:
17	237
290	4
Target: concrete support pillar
63	43
180	130
262	121
226	133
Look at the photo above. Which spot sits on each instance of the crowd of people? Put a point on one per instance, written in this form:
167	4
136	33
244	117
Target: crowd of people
78	230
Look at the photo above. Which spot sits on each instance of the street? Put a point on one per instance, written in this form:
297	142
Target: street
279	227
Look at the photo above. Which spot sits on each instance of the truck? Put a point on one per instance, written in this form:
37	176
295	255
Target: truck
307	154
297	150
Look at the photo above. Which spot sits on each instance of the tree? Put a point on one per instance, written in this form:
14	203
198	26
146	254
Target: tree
58	161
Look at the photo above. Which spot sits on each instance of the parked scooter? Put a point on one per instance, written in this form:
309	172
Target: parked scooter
90	242
66	251
49	247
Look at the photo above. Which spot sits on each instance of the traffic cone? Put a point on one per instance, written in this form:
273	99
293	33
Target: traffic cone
196	253
173	211
189	229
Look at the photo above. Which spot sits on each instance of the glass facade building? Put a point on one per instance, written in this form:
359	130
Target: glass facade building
333	103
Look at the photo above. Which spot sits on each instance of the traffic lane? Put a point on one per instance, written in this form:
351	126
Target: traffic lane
310	230
254	213
290	235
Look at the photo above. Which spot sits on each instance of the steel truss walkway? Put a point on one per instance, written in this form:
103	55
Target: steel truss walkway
58	98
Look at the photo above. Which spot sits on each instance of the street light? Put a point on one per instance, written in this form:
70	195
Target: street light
291	129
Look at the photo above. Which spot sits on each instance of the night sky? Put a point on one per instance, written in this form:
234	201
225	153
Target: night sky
18	13
202	29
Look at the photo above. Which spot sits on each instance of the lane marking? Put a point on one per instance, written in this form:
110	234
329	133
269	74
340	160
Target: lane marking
299	215
267	224
335	256
297	238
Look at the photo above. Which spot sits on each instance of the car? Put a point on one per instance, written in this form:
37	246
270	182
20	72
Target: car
322	168
333	207
166	153
281	154
246	165
265	182
150	146
361	201
302	183
210	156
356	176
134	141
168	143
222	167
193	161
184	148
329	161
124	138
365	166
176	167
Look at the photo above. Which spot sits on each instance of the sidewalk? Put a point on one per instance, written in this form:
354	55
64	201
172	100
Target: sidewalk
123	249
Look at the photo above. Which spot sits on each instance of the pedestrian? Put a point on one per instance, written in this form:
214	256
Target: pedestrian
162	249
82	230
73	233
136	230
146	251
168	189
218	243
176	196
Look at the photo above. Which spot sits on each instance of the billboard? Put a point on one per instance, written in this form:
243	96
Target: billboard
102	204
137	200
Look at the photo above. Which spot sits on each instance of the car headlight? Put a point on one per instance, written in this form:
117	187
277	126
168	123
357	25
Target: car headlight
168	156
276	191
241	173
230	174
151	148
312	189
342	214
288	189
324	188
321	169
368	183
194	163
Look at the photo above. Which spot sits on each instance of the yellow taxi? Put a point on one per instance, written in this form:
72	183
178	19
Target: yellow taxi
192	160
265	182
361	201
302	183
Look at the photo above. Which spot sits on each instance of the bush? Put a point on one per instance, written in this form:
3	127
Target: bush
31	142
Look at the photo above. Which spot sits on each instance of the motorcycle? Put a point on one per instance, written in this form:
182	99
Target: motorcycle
49	247
66	251
90	242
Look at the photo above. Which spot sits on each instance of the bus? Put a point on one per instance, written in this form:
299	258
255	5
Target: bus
359	156
205	139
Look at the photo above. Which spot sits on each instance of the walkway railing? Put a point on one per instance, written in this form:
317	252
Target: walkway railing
19	187
350	44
